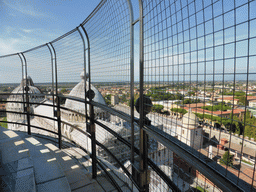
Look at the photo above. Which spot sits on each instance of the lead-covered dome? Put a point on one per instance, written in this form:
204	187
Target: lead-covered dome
21	88
190	120
17	96
79	91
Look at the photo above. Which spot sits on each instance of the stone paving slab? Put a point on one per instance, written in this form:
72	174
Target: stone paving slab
24	164
78	174
105	183
7	134
58	185
10	180
67	162
46	169
25	181
93	187
13	150
36	148
11	167
40	161
80	184
124	189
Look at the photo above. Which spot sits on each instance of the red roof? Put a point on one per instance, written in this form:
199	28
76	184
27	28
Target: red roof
195	105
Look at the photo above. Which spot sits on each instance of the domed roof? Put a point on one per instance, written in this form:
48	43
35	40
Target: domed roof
79	91
190	120
32	88
82	75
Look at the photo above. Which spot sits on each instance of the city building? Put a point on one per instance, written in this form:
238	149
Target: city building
114	99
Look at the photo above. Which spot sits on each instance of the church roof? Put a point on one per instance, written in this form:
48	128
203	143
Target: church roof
79	91
190	120
32	88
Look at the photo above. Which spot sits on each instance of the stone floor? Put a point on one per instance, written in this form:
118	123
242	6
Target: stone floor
35	163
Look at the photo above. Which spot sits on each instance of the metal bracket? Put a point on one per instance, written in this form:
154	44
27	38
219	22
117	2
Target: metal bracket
56	113
90	128
142	177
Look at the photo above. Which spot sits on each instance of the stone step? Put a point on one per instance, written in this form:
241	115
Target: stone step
37	164
18	172
77	168
49	175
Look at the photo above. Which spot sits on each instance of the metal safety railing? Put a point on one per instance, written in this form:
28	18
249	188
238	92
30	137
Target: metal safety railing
186	66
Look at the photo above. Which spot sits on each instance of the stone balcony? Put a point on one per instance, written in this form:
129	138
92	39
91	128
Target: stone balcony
35	163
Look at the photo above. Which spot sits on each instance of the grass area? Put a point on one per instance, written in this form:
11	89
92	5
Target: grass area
2	124
247	162
200	189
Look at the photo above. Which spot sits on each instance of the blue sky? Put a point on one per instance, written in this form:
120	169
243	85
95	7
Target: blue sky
28	23
25	24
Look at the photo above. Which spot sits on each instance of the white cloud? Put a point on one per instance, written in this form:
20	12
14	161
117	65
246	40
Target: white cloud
28	30
8	46
23	8
14	39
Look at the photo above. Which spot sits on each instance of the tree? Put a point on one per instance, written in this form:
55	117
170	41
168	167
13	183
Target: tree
191	93
242	99
178	110
63	90
227	159
157	108
190	101
108	99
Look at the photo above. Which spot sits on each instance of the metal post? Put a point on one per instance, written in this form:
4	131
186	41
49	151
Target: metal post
132	77
52	59
22	76
27	108
143	164
57	113
85	89
91	111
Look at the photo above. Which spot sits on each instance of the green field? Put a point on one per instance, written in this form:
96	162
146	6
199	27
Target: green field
3	124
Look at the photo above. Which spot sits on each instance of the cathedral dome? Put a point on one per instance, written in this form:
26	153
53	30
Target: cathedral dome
190	120
79	91
19	89
19	107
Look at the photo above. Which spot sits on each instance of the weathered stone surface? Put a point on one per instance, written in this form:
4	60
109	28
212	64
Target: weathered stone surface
58	185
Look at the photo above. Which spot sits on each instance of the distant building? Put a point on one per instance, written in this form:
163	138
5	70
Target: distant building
71	121
231	100
114	99
19	107
190	132
252	103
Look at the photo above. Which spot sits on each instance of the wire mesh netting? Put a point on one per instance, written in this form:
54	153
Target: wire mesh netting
199	72
197	68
